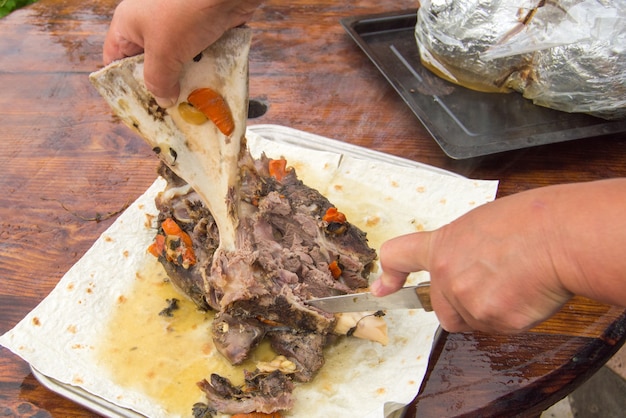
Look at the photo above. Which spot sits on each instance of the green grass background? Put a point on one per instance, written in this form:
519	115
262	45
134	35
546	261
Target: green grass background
7	6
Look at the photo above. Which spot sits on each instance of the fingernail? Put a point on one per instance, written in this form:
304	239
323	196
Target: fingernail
165	102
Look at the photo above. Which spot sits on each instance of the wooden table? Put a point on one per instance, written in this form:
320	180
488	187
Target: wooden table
67	165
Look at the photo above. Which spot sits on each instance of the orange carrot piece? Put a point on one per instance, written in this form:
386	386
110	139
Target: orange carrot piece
157	248
335	270
171	228
278	168
214	107
333	215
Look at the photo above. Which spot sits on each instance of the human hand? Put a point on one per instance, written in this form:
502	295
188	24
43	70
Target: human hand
491	270
171	32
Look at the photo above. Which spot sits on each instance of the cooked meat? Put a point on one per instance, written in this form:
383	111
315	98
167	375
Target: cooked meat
304	349
289	249
181	203
235	336
261	393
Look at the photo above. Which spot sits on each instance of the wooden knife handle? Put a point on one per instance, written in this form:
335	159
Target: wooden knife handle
423	293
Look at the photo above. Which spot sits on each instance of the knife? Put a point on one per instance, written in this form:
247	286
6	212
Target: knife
409	297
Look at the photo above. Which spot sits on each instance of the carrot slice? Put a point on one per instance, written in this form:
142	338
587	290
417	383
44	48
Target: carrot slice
171	228
214	107
157	248
335	270
278	168
333	215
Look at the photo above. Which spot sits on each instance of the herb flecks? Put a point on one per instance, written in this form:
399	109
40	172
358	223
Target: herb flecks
172	305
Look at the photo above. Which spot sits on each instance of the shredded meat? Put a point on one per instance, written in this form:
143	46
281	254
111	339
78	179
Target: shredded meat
260	392
283	257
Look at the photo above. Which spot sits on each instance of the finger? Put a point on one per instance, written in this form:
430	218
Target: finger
453	322
164	60
122	39
161	75
166	53
399	257
117	49
450	317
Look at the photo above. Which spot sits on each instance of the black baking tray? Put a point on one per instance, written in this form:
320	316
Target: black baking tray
465	123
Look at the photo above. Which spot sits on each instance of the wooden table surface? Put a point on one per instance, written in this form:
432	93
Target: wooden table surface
67	166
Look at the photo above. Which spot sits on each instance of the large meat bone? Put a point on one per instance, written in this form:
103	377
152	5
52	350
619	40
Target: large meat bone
200	154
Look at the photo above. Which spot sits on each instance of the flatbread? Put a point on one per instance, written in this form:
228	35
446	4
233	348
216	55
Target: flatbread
65	336
201	154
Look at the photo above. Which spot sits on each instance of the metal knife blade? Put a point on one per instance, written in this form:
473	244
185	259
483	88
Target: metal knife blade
409	297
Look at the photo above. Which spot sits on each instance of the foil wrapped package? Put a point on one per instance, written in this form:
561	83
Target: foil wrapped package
568	55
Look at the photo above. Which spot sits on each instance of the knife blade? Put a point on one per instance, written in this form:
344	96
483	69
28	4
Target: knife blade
409	297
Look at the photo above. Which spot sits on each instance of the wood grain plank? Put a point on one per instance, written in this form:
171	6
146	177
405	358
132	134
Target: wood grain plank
65	159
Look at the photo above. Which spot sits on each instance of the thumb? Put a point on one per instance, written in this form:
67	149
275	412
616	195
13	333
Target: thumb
399	257
162	75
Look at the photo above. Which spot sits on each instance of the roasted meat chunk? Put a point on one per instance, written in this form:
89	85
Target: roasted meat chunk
292	245
239	235
261	392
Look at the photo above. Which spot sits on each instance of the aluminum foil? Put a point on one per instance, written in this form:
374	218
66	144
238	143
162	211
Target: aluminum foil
568	55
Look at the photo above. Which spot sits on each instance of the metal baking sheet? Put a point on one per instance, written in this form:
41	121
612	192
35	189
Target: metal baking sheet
465	123
82	397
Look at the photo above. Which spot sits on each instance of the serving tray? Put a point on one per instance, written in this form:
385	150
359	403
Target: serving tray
82	397
465	123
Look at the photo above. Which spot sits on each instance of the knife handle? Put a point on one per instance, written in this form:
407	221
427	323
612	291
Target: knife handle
423	293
